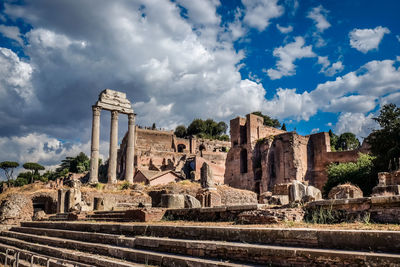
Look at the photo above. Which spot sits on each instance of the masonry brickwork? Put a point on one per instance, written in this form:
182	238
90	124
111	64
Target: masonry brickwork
261	156
161	150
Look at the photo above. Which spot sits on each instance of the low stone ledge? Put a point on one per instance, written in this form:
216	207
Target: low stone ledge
364	240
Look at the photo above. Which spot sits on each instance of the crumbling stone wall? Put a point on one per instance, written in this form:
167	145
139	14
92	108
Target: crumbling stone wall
20	206
162	150
262	156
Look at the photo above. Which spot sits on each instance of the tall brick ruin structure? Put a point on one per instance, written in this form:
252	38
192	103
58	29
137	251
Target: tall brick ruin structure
262	156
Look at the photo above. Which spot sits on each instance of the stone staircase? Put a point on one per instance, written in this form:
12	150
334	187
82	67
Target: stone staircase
115	244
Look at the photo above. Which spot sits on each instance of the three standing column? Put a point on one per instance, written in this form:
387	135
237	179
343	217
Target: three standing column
112	162
130	149
94	154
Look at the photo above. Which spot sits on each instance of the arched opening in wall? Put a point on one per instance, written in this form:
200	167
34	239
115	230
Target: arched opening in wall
44	203
181	148
243	161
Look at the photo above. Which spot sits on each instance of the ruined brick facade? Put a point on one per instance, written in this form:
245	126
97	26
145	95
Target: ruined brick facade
262	156
161	150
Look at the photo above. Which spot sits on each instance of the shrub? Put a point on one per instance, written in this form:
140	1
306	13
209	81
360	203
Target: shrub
360	173
125	185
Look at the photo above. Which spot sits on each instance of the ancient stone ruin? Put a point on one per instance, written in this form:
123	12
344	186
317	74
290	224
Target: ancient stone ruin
261	156
115	102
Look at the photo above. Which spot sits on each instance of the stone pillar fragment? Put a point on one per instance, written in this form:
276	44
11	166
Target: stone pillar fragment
130	150
94	154
112	161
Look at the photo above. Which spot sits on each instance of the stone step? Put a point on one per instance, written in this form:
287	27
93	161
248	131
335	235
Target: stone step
109	212
128	254
360	240
230	251
27	257
105	219
266	254
82	258
110	239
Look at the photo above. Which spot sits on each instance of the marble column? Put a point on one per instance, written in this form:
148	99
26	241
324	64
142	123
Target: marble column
130	150
112	160
94	154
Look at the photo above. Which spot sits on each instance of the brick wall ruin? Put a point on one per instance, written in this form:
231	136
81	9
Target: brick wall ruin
161	150
262	156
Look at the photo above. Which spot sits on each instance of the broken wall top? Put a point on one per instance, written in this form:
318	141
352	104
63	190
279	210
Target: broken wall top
113	100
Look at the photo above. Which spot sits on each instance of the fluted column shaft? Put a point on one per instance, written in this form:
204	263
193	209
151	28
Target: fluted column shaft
130	150
94	152
112	161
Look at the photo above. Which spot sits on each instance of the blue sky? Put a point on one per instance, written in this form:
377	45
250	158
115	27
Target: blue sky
315	65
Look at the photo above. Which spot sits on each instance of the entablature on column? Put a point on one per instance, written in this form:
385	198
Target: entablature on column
114	101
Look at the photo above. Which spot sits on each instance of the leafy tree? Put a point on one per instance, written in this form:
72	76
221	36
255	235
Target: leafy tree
78	164
360	173
180	131
153	127
334	140
208	129
283	127
221	129
8	168
347	141
34	168
385	142
268	121
21	181
196	127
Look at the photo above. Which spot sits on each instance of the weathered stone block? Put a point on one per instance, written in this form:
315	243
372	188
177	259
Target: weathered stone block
297	191
173	201
192	202
145	215
281	189
386	190
209	198
268	216
345	191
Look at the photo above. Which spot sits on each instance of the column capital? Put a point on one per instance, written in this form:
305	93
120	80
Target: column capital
96	110
131	118
114	114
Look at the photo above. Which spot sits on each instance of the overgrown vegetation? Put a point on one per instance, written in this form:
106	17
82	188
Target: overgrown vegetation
385	142
360	173
125	185
208	129
327	215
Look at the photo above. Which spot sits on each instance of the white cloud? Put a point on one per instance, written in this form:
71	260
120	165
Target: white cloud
358	123
49	39
284	29
353	103
327	68
315	130
287	55
287	103
36	147
365	40
11	32
318	15
259	12
172	68
15	77
356	92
